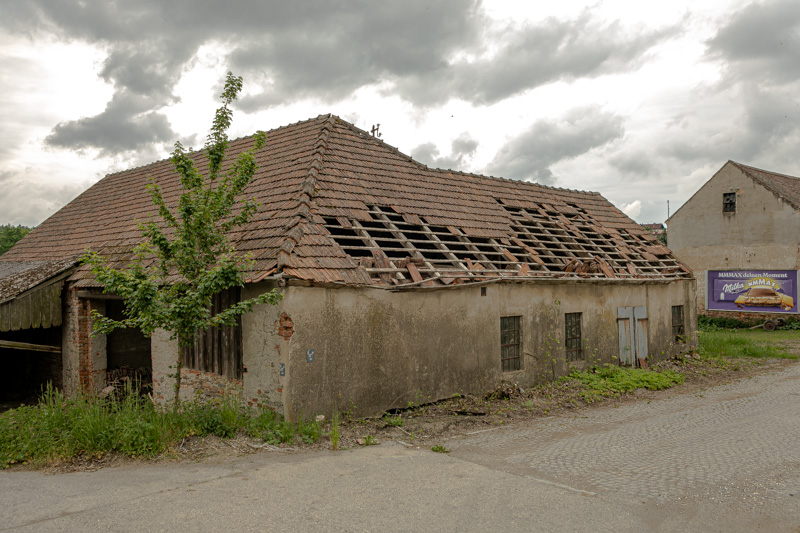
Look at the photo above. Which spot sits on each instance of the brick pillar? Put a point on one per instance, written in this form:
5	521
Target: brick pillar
84	357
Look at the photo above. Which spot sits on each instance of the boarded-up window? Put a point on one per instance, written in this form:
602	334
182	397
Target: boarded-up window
218	350
572	336
677	323
510	343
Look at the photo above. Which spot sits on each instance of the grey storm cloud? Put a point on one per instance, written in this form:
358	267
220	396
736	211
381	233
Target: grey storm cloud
530	155
535	55
313	49
757	48
295	49
760	43
124	125
463	147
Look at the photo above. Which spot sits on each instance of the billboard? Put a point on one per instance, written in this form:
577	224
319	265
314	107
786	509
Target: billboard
754	291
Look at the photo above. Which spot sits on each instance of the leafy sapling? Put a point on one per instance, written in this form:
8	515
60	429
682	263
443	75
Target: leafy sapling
186	255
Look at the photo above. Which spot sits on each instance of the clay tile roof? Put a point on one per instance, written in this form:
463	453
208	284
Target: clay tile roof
786	187
340	206
17	277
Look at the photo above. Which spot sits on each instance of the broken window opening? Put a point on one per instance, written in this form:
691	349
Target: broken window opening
729	202
678	330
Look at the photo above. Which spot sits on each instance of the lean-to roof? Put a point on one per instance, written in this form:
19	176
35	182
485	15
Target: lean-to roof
340	206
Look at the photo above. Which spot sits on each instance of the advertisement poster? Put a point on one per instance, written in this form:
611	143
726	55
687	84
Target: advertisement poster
754	291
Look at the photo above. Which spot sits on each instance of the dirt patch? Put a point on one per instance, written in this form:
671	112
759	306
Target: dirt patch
426	425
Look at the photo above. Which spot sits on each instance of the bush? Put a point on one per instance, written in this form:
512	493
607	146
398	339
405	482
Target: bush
713	323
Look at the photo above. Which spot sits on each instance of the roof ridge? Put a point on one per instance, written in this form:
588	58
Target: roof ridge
397	151
230	141
294	228
777	189
745	168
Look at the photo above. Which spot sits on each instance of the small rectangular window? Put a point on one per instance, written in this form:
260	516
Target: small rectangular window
729	202
510	343
572	336
677	323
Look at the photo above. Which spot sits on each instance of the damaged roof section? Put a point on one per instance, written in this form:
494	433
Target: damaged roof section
338	206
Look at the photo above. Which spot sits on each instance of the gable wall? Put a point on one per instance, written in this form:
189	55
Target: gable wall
763	233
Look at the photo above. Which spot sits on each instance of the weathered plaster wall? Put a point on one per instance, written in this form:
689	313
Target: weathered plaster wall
763	233
375	349
264	346
165	352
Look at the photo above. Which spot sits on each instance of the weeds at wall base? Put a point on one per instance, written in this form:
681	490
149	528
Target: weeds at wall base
81	426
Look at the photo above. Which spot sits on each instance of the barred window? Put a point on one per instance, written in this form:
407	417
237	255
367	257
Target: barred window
678	331
572	336
510	343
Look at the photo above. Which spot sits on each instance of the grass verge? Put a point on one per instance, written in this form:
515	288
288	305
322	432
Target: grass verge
746	343
59	428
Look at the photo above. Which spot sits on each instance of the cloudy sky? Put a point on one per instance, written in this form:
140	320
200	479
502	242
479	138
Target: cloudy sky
640	101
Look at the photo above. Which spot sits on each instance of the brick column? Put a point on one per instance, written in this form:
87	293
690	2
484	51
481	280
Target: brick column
84	357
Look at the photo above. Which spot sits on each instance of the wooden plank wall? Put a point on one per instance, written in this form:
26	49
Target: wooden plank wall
218	350
38	308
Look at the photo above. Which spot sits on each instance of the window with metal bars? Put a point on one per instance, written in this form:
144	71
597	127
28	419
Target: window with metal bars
510	343
729	202
677	323
572	336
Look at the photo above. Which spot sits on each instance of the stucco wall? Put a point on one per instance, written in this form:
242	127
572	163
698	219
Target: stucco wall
263	349
375	349
763	233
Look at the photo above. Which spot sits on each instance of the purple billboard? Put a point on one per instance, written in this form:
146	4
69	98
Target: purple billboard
754	291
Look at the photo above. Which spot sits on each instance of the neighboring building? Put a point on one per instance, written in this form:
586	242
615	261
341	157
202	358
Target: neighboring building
740	233
658	230
401	282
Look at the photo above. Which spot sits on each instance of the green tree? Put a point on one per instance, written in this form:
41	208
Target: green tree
186	256
9	235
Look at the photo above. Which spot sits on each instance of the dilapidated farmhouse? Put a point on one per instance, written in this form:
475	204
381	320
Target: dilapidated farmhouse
740	232
400	282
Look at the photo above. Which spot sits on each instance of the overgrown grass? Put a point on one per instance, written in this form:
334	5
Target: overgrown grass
611	380
746	343
82	425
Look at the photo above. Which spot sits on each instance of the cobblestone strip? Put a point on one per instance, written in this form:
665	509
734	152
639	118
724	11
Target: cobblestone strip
657	450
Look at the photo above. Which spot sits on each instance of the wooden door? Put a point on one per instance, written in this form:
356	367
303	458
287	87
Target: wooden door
632	326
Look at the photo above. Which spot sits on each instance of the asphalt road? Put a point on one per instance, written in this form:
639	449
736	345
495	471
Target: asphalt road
725	459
